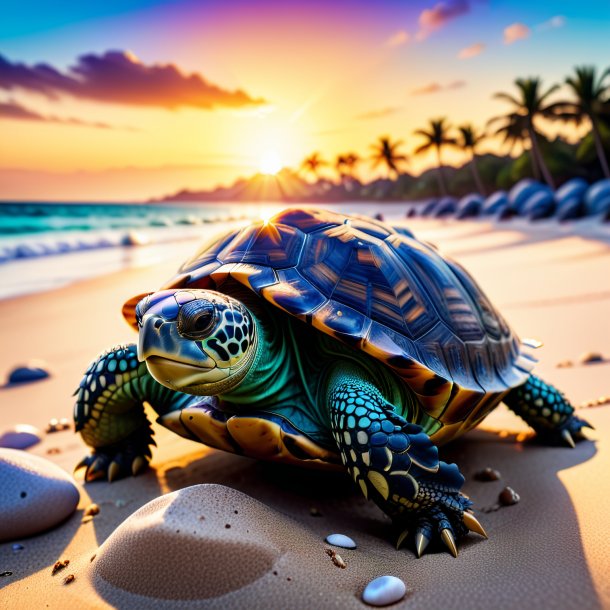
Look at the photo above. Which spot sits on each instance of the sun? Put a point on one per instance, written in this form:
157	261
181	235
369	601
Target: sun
270	163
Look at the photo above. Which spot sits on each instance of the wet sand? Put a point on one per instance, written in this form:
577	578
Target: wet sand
549	550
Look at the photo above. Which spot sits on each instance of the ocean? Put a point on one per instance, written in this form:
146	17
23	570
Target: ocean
48	245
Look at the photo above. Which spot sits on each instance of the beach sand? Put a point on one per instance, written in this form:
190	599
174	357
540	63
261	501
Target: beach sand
550	550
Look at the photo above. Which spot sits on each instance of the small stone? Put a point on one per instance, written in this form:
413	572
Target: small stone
68	579
17	547
336	559
53	451
21	436
565	364
314	512
591	358
508	496
383	591
487	474
36	494
340	540
59	566
33	371
120	503
57	425
92	509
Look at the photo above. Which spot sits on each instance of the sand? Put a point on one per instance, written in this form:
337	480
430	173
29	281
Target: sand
549	550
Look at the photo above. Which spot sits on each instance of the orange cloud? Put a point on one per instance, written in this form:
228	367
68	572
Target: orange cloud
15	111
514	32
471	51
440	14
437	87
119	77
398	39
378	114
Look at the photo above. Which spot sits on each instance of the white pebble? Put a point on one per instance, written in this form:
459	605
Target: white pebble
345	542
383	591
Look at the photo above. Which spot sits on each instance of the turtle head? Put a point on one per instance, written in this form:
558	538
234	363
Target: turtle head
196	341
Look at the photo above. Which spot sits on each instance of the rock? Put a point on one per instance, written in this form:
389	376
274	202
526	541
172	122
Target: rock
446	206
597	197
539	205
522	191
570	209
572	189
469	206
34	371
340	540
591	358
383	591
495	203
487	474
36	494
508	496
21	436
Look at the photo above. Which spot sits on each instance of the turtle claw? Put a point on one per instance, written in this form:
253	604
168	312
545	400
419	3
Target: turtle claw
567	437
472	523
96	470
569	432
401	538
114	472
138	465
421	543
449	541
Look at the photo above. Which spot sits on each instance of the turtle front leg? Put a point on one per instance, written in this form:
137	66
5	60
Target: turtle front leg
547	411
109	413
397	466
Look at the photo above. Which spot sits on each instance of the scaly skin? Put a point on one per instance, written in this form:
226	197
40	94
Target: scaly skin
396	464
109	413
547	411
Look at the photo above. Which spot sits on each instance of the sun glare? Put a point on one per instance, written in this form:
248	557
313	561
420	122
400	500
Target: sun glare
270	163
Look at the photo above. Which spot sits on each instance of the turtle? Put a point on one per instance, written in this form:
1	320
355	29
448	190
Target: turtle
326	340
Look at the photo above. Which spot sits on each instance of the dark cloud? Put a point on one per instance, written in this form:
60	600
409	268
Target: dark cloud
119	77
15	111
378	114
437	87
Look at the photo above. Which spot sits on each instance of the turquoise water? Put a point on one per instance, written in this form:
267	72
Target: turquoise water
47	245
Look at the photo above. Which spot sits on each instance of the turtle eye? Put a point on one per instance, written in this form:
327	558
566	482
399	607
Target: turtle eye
196	319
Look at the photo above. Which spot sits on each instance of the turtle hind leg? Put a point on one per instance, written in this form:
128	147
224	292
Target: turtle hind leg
396	465
109	413
547	411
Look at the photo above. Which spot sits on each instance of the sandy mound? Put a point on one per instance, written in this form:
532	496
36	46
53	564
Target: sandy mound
196	543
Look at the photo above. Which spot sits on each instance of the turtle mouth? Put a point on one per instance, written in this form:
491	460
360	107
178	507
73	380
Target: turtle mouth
174	373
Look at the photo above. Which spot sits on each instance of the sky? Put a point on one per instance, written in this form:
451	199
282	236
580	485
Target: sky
130	99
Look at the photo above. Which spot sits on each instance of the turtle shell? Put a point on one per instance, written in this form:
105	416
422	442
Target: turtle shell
377	289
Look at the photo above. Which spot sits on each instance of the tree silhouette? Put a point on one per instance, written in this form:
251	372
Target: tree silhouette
387	153
436	137
530	103
469	139
589	93
312	165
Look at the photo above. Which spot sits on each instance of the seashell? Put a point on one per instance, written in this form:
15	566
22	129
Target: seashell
383	591
340	540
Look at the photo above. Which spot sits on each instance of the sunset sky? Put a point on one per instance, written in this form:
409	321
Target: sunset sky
129	99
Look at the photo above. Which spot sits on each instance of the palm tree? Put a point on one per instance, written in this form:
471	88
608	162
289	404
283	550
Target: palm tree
436	137
515	131
530	103
469	141
350	160
345	165
387	152
589	93
312	164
